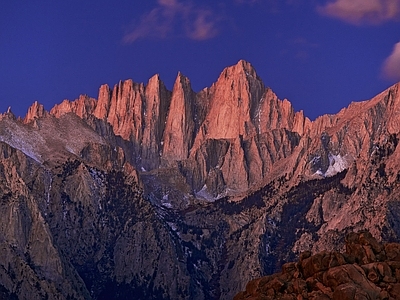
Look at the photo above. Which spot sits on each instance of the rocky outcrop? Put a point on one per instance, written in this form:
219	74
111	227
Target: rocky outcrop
367	270
83	107
36	111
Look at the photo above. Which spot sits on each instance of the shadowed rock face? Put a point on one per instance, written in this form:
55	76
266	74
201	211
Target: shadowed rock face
79	231
186	195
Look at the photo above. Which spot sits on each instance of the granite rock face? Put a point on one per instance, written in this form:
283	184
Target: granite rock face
183	195
166	128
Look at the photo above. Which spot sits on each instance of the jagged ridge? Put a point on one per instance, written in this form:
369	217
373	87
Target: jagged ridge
180	126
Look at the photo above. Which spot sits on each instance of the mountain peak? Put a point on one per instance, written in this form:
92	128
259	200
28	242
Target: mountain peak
154	79
181	79
245	65
241	68
9	114
179	126
36	110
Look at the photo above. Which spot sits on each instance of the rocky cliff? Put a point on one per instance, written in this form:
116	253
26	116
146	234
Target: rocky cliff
183	195
249	125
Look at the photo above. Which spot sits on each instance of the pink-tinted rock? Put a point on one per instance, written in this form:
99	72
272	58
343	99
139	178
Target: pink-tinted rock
36	110
180	124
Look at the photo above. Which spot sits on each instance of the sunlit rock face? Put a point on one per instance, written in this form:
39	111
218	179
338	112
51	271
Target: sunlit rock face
187	195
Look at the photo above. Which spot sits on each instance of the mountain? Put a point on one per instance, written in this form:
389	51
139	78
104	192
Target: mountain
183	195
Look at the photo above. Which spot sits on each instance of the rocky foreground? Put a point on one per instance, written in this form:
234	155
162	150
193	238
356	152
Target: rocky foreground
367	270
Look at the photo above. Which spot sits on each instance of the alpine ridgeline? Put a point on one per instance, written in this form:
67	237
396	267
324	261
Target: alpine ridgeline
184	195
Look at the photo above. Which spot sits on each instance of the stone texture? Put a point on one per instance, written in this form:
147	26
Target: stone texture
155	113
180	124
314	278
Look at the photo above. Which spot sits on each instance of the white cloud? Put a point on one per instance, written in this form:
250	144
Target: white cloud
362	11
391	66
174	18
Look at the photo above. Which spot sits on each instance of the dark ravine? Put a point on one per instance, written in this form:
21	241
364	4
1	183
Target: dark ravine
158	194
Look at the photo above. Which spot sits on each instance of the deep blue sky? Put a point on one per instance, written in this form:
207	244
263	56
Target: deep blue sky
319	54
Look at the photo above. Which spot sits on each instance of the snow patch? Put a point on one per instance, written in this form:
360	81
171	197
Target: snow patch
70	150
165	201
204	193
22	142
49	189
337	164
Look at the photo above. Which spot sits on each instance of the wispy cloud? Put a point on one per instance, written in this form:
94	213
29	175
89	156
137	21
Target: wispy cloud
173	18
303	42
391	66
300	48
362	11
